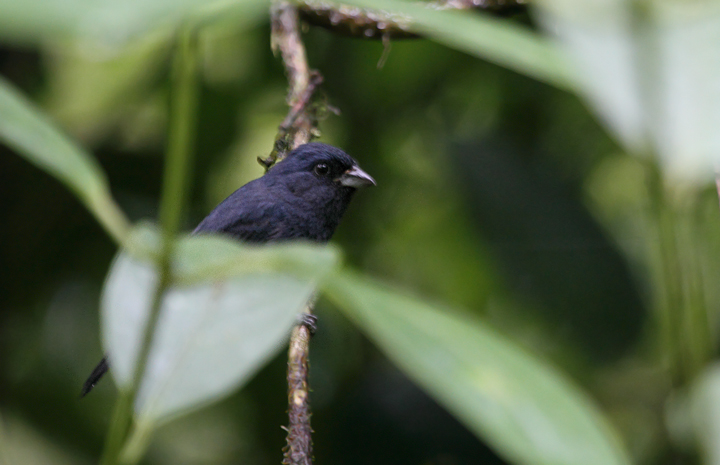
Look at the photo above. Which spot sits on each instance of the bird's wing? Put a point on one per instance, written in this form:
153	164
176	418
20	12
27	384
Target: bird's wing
249	214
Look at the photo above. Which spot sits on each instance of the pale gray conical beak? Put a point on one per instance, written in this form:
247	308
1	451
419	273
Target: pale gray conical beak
355	177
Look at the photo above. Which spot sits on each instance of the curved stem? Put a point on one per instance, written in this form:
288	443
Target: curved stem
181	142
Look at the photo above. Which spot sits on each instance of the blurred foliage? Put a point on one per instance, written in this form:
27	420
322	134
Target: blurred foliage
496	193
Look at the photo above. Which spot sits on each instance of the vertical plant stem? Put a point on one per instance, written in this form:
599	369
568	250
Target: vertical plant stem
136	443
298	450
696	337
671	300
298	128
181	141
286	39
665	293
301	125
682	313
681	306
119	426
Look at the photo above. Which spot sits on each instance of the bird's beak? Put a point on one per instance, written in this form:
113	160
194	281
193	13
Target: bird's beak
355	177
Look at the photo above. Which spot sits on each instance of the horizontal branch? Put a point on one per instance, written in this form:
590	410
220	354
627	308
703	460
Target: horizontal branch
373	24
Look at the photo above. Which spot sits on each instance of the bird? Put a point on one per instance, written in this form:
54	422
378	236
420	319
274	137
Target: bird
302	197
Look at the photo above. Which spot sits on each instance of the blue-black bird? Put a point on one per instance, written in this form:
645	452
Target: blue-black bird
302	197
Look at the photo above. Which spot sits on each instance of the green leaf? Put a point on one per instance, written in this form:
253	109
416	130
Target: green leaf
703	405
114	22
25	129
524	409
92	93
213	257
649	70
232	312
497	40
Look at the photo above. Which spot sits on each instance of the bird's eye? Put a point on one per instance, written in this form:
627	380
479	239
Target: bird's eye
321	169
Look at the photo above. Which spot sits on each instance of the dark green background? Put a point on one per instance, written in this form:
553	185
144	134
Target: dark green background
495	193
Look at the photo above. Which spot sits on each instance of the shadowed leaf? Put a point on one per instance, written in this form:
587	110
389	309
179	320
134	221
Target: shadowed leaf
521	407
26	130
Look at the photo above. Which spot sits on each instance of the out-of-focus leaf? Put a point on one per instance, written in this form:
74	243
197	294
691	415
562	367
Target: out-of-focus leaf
649	70
525	410
20	442
704	410
213	257
599	41
236	306
110	21
209	339
499	41
92	92
25	129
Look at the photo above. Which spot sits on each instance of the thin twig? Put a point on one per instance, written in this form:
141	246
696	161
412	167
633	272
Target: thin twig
302	102
298	127
487	5
298	450
293	131
181	141
382	25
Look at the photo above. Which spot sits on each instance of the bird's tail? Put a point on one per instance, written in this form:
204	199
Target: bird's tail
95	376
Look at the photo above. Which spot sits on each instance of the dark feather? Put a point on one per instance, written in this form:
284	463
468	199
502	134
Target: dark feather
289	202
95	376
293	200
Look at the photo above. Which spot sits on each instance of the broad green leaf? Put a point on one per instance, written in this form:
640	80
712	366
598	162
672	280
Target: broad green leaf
498	40
213	257
649	70
113	22
519	405
231	310
25	129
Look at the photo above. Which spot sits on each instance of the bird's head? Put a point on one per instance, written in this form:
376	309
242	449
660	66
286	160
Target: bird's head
317	164
304	196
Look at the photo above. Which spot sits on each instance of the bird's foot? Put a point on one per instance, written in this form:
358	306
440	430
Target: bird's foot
309	321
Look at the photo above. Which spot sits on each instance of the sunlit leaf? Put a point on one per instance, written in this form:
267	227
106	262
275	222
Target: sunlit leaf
204	257
26	130
520	406
500	41
232	313
113	22
649	70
